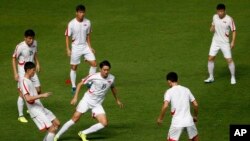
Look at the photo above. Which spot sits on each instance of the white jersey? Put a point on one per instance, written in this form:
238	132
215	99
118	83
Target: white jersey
99	87
78	31
27	87
222	28
180	98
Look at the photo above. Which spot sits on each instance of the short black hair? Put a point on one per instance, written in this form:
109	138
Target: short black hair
80	7
221	6
29	33
29	65
172	76
105	63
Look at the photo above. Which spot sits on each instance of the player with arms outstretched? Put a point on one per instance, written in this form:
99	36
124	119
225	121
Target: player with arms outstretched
92	100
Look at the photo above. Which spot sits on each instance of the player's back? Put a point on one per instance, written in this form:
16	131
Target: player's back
180	98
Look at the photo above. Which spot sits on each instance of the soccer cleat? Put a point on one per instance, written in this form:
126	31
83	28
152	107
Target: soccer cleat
73	90
209	80
82	136
22	119
56	138
233	80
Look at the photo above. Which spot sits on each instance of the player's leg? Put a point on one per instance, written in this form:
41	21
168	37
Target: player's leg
90	57
211	58
81	108
226	50
192	133
75	59
98	113
174	133
20	105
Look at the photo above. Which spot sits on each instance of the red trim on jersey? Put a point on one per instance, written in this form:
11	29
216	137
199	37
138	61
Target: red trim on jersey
21	63
85	79
25	87
172	113
233	26
226	35
90	91
45	128
169	139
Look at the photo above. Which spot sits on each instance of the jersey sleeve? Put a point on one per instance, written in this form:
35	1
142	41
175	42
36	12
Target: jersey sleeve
89	30
232	25
24	87
16	52
113	83
68	31
88	79
167	96
191	96
213	20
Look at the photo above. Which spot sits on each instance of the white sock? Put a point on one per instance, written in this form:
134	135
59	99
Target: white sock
93	128
50	136
44	139
20	104
210	66
73	78
231	67
92	70
65	127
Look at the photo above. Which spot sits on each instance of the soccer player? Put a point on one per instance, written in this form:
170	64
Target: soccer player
221	26
92	99
79	30
43	118
180	98
25	51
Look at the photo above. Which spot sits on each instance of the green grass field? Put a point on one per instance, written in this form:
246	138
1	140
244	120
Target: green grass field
143	40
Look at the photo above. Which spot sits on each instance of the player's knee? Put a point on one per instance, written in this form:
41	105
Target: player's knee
74	67
229	60
211	58
76	116
93	64
104	123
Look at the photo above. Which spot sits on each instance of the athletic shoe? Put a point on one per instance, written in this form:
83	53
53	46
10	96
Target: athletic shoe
233	80
22	119
209	80
82	136
56	138
73	90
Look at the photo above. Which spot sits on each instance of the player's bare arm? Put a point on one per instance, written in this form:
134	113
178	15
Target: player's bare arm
195	106
32	98
233	39
14	64
78	88
114	92
212	28
68	50
89	43
37	63
163	112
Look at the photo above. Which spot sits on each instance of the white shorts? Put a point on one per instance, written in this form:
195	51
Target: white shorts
224	47
43	118
81	51
83	107
175	132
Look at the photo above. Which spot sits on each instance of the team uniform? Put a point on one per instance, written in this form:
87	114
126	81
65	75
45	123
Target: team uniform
221	35
78	32
40	115
24	53
180	98
94	97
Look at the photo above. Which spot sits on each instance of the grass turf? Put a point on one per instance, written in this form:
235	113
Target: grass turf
143	40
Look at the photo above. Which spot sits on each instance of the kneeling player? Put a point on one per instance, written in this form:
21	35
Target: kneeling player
180	98
92	99
43	118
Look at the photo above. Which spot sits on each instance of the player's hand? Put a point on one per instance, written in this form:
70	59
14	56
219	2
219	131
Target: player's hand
159	121
16	77
44	95
119	103
69	52
195	119
73	101
212	28
232	45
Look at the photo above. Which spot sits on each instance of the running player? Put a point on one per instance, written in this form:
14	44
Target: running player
43	118
180	98
25	51
79	30
221	26
92	100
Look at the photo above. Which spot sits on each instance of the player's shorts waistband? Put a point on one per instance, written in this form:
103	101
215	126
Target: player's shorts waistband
21	64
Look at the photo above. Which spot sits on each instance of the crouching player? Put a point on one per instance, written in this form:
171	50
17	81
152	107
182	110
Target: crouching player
43	118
